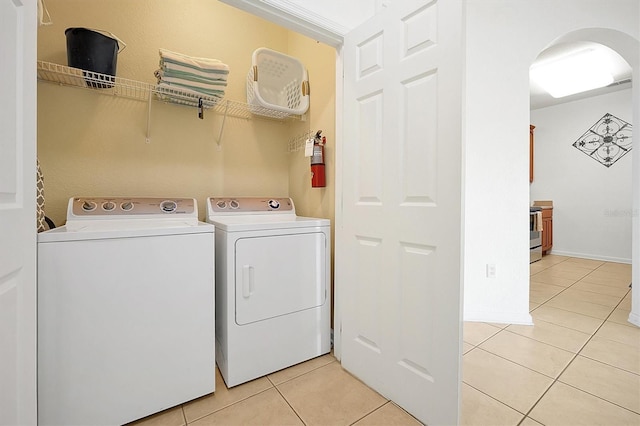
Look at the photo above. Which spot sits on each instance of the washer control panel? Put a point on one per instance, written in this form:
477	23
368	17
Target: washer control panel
249	205
131	207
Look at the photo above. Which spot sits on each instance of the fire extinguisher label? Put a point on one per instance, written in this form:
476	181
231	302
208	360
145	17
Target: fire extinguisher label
308	148
318	157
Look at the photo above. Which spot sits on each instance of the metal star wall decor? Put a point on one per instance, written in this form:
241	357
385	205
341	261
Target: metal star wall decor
607	141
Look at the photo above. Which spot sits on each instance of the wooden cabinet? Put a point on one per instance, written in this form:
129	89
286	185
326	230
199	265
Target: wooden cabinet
547	229
531	127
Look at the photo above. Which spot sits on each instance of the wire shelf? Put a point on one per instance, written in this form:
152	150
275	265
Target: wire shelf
298	142
137	90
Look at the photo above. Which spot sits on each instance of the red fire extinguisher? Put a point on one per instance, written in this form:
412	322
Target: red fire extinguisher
318	178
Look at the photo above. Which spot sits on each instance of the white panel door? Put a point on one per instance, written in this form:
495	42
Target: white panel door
17	212
399	241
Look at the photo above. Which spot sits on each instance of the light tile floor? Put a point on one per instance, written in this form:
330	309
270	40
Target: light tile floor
578	365
316	392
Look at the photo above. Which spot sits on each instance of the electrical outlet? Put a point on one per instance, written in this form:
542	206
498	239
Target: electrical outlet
491	270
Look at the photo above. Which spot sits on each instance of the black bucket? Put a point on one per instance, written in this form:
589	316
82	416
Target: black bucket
92	51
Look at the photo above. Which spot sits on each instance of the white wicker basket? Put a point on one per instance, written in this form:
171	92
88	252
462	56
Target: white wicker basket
277	82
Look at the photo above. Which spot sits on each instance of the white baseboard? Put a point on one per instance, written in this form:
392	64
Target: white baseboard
634	318
499	317
591	256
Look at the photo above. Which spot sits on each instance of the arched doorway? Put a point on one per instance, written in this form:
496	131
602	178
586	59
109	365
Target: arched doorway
629	49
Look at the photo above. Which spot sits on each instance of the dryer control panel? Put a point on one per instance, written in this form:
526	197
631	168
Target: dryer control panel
249	205
113	207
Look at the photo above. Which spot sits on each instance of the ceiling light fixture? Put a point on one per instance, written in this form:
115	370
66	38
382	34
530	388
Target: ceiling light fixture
577	72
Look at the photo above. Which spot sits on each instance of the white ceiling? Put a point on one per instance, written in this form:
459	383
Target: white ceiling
620	68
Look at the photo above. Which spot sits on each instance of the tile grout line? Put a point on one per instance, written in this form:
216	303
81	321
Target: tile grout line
555	380
560	325
387	401
541	342
524	366
600	285
573	359
599	397
497	400
474	345
273	385
290	406
526	415
567	288
575	355
296	412
586	291
228	405
554	346
549	344
299	375
292	378
184	416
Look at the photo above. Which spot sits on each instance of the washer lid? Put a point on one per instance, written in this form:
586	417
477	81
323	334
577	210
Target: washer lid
120	229
256	222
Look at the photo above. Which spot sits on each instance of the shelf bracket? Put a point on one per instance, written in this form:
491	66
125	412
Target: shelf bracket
224	120
148	137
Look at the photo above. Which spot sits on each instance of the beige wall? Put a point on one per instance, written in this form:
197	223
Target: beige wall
93	144
320	61
316	202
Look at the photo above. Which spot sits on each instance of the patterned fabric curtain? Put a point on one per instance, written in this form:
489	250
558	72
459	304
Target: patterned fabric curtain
41	225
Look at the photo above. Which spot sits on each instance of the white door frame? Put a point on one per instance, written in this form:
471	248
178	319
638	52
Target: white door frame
296	18
18	125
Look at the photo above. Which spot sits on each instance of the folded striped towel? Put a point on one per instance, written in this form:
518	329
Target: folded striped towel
198	90
184	79
203	73
185	96
174	75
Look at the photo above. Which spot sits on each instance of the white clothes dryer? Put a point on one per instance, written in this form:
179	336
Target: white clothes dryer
273	293
125	310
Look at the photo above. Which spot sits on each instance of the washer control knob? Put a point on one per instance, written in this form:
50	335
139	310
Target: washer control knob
234	204
274	204
168	206
126	206
108	206
89	206
222	204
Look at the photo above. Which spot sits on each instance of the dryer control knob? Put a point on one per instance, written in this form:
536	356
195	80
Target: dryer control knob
108	206
234	204
221	204
168	206
89	206
274	204
126	206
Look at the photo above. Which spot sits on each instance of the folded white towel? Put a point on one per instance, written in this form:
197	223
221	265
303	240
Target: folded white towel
168	56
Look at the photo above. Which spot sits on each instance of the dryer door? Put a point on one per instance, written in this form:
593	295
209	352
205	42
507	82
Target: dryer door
279	275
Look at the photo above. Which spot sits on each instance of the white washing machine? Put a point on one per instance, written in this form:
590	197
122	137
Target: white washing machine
125	310
273	293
